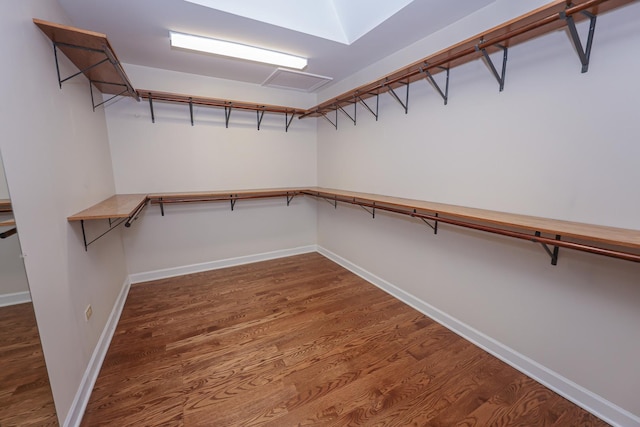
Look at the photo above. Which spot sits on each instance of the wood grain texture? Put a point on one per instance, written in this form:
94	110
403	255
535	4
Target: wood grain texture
588	232
302	341
111	72
25	394
118	206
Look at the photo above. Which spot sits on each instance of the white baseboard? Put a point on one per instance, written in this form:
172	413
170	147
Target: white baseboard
214	265
74	417
577	394
15	298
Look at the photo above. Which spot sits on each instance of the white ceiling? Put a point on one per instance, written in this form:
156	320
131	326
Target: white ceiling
139	31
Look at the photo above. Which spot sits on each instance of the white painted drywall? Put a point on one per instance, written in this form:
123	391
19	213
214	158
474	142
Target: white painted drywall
555	143
171	155
57	162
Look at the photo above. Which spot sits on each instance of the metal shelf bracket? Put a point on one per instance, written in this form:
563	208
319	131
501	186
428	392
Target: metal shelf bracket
494	71
405	104
93	103
445	94
191	110
353	119
365	105
287	120
334	124
259	116
433	226
227	114
552	253
371	212
107	58
127	221
583	53
153	117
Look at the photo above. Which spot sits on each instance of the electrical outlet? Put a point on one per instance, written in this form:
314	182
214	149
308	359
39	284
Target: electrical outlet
88	312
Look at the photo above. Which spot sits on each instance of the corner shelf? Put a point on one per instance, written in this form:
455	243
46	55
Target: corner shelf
118	209
94	57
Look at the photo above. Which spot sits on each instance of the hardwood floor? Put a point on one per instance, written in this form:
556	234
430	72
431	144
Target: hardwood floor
302	341
25	394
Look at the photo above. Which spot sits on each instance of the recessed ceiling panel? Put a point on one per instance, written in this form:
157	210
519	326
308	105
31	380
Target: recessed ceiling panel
295	80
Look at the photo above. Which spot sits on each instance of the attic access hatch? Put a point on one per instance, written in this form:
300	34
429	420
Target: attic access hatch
283	78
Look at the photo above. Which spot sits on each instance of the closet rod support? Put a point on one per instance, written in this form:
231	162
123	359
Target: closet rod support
287	120
353	119
191	110
362	101
583	53
93	103
405	104
227	115
335	125
55	54
433	226
499	77
445	94
552	253
259	116
153	117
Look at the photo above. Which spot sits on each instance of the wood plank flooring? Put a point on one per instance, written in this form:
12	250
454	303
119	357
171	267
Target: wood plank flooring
25	394
302	341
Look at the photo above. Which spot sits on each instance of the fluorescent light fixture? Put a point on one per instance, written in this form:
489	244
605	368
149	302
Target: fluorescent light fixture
236	50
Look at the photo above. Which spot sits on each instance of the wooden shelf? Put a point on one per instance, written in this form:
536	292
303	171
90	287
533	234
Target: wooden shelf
227	104
5	206
92	53
602	240
214	102
526	27
575	230
118	206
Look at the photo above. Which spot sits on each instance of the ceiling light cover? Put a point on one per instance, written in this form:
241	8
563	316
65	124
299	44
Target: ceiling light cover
236	50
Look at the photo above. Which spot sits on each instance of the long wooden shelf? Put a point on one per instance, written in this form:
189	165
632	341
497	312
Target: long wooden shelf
227	104
602	240
585	237
543	20
92	53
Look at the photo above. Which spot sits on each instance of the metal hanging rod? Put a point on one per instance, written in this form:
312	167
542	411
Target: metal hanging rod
536	238
228	106
492	67
8	233
127	221
232	198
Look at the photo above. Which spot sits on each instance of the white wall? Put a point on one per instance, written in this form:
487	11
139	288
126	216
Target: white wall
170	155
57	163
555	143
